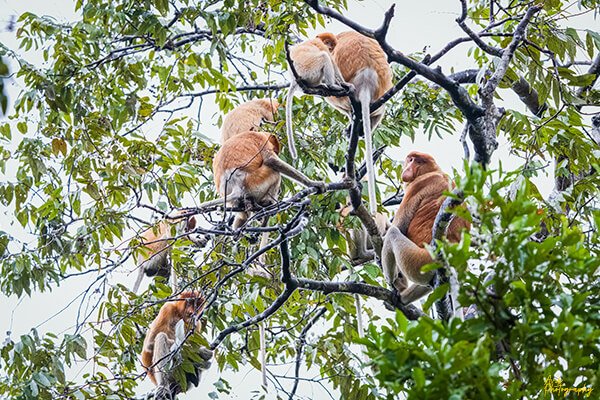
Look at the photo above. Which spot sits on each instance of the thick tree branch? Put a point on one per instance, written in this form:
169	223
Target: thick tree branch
364	289
529	96
521	87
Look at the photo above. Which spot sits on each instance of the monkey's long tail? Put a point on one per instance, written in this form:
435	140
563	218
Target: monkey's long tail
365	103
138	280
288	119
263	353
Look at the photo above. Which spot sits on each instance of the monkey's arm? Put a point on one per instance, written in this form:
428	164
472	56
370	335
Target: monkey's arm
147	355
407	210
271	160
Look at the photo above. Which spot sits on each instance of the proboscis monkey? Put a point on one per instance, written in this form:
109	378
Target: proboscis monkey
363	63
156	251
404	251
314	65
166	334
248	116
247	169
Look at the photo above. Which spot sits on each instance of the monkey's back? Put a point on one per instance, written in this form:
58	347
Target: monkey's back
165	321
308	56
354	52
241	159
420	228
150	239
248	117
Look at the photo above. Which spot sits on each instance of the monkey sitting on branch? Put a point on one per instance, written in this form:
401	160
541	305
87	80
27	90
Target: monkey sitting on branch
404	252
312	64
164	339
363	64
154	259
247	171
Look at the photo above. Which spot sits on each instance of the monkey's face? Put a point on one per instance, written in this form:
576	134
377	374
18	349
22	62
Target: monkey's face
329	40
194	306
417	164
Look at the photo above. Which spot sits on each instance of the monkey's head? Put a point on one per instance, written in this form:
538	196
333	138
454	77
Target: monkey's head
329	39
417	164
270	108
190	303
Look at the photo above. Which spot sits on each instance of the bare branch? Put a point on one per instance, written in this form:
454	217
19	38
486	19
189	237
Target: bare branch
495	51
249	88
377	292
508	53
300	347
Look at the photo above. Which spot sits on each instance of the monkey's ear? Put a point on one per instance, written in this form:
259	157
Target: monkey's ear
275	142
329	39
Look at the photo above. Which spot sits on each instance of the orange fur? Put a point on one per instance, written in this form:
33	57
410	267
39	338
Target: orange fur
248	117
362	63
184	307
314	65
239	169
308	58
404	252
353	52
154	257
423	197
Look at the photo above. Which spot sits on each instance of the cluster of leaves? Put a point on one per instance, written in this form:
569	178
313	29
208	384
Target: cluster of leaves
104	131
537	301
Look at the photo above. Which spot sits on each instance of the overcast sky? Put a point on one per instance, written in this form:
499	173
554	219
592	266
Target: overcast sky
417	25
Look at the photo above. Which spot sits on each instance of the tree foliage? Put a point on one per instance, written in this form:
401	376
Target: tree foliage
108	136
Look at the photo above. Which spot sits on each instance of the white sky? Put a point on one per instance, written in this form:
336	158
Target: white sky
416	25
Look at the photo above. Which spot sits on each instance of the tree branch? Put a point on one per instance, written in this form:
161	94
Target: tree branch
475	37
300	348
444	306
364	289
